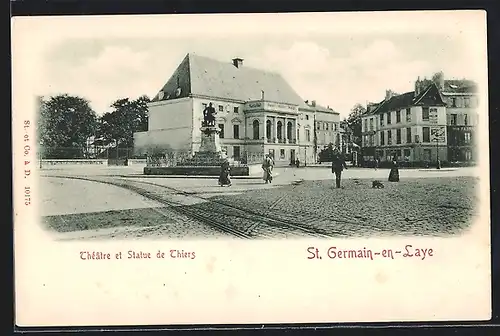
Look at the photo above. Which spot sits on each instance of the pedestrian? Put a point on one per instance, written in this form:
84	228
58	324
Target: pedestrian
394	173
338	164
267	167
377	162
224	176
297	163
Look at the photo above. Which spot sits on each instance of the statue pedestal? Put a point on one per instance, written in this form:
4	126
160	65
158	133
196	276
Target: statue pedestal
210	141
206	162
210	152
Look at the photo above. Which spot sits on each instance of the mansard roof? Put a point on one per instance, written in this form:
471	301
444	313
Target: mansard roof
459	86
428	96
203	76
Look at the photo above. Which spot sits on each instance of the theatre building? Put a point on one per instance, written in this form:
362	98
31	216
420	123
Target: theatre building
257	112
409	126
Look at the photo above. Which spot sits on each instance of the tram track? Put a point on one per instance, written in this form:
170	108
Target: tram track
256	217
176	207
253	221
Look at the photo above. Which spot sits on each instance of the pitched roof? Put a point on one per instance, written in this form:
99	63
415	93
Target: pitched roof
428	96
459	86
318	108
204	76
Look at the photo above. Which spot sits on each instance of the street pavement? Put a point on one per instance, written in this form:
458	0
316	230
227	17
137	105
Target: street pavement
424	202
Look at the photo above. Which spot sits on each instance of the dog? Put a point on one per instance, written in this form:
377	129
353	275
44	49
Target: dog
377	185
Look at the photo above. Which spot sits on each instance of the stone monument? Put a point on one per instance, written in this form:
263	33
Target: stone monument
210	152
208	159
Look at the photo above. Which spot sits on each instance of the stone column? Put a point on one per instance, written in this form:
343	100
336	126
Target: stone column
275	129
264	128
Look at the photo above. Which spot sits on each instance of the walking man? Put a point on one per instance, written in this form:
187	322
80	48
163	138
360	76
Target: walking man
338	164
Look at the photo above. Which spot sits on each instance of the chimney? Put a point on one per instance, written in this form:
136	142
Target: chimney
238	62
313	103
417	86
388	94
438	79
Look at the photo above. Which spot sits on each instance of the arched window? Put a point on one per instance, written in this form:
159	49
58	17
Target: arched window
289	130
256	130
268	129
279	129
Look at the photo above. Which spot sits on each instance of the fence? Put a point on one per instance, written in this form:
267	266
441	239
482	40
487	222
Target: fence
175	158
102	155
87	153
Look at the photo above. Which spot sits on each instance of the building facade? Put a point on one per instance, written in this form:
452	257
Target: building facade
257	112
409	127
462	100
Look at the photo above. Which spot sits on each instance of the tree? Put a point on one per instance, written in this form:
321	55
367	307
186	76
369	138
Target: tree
353	122
128	116
65	124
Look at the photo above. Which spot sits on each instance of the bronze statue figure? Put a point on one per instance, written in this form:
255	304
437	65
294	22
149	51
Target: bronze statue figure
209	116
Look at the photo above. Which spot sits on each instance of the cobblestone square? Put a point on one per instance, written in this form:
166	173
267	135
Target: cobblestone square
422	207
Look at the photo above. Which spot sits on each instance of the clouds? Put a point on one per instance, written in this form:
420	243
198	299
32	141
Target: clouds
334	71
348	73
115	72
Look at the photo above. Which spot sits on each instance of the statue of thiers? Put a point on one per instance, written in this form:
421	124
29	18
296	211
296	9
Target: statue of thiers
209	116
208	123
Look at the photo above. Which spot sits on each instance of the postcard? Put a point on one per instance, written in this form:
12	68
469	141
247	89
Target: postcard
251	168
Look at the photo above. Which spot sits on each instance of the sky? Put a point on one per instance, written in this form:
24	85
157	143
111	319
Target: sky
341	60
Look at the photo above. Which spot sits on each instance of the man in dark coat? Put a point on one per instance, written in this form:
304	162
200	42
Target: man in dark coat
338	164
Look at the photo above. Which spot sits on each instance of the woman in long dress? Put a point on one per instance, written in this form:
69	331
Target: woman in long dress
394	173
267	166
224	177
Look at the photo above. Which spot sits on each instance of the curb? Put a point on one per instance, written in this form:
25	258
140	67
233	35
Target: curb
438	170
189	176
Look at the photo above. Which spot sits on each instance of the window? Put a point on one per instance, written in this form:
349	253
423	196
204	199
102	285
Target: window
468	155
467	137
236	131
289	130
382	138
335	126
256	130
326	126
453	119
467	102
425	114
398	116
408	135
408	115
453	102
426	134
388	118
308	135
406	153
318	125
398	136
466	122
279	130
371	124
307	117
282	153
381	120
221	134
365	125
236	153
221	108
236	109
389	137
268	129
